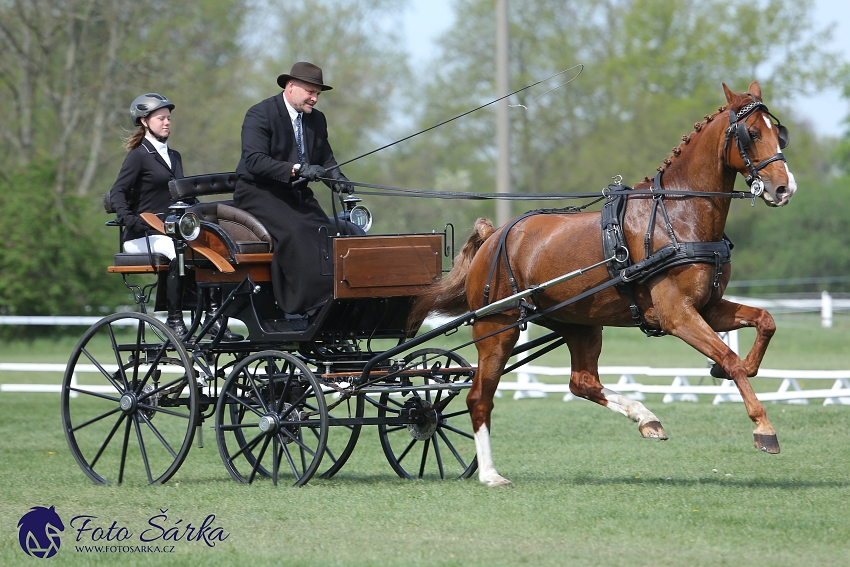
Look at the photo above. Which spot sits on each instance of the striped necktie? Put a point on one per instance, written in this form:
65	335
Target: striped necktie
298	138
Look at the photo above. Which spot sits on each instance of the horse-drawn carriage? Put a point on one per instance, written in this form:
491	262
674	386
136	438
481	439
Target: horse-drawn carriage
275	397
290	401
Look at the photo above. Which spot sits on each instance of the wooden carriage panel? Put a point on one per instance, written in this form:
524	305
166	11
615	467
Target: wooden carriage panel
258	266
137	269
386	266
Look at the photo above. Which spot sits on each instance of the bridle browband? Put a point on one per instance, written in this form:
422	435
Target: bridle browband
738	129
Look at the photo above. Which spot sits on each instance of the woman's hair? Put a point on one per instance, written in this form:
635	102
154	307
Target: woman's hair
135	140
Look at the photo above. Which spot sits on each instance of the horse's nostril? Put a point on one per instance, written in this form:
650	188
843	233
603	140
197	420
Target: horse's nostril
781	191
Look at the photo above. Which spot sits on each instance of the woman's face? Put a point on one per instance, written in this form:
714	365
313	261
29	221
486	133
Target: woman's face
159	122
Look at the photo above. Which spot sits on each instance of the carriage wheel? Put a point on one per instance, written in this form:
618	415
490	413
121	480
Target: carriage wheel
271	420
438	440
129	401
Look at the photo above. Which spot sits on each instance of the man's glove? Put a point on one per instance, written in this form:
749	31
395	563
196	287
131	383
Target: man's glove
311	172
340	183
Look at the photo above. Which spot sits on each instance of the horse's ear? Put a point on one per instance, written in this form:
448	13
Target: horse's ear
729	94
755	90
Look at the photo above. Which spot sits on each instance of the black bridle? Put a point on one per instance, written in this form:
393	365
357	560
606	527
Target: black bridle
738	129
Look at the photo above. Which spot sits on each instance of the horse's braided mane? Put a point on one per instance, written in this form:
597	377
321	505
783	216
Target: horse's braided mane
686	140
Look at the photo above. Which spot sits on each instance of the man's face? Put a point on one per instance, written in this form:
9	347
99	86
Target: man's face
302	95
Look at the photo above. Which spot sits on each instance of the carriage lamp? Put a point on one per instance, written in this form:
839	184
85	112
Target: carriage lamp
182	225
357	214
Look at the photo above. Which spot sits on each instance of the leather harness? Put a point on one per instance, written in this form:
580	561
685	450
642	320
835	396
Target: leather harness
623	273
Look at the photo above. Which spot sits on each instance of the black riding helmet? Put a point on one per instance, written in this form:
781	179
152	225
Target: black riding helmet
147	103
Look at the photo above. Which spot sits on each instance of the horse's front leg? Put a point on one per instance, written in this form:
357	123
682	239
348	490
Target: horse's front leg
682	320
493	354
728	316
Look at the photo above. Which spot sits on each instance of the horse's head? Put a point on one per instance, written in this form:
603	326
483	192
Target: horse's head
754	145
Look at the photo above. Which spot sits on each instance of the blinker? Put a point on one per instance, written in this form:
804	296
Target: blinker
742	134
784	137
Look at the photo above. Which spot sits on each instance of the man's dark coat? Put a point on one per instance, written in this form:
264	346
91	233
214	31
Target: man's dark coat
292	215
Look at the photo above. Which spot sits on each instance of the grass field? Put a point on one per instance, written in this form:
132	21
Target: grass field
588	490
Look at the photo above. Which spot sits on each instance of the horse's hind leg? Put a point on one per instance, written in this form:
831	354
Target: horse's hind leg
585	344
728	316
493	354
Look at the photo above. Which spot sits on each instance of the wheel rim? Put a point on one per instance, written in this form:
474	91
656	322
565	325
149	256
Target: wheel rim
133	420
437	440
271	420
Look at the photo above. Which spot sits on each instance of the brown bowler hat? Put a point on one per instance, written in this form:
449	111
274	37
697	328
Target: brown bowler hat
305	72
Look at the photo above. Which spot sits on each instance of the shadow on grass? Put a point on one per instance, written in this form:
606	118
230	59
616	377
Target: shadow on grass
717	479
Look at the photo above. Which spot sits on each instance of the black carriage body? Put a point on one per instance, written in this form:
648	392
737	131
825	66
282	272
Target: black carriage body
297	390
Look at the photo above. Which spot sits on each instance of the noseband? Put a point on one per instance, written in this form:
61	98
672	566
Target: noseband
738	130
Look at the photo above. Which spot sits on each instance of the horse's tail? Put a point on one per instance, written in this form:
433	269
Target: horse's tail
448	297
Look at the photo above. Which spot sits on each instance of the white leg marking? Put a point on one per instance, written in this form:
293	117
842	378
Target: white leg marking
632	409
486	470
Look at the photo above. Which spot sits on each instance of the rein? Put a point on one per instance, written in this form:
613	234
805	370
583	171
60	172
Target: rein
392	191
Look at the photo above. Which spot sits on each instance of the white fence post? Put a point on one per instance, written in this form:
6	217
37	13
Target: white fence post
825	310
523	377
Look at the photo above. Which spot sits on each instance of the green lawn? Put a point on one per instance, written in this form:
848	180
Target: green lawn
588	490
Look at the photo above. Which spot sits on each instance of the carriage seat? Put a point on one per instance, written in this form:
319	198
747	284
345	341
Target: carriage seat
128	262
242	231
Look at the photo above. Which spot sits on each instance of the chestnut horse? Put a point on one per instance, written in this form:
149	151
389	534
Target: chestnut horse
684	300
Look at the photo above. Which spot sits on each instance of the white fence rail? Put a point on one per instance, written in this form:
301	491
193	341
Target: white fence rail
528	385
681	389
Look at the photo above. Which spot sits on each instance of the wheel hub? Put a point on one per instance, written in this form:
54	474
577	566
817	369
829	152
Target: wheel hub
269	423
427	423
128	402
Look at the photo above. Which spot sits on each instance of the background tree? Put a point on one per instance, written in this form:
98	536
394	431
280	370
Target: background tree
652	69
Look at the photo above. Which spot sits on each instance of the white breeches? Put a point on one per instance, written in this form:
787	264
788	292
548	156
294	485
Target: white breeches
160	244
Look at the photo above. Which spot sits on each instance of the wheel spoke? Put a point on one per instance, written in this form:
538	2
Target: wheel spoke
106	373
455	414
256	465
138	429
285	450
451	447
118	360
158	434
248	446
96	419
458	431
253	381
407	450
160	409
124	451
275	459
108	439
424	457
439	458
243	404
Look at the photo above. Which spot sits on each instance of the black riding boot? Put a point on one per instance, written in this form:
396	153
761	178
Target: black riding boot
174	300
213	303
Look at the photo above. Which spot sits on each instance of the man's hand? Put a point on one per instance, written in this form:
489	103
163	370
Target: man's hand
340	183
312	172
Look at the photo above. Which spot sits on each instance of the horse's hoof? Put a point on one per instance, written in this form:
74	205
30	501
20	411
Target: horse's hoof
766	443
717	372
653	430
497	481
